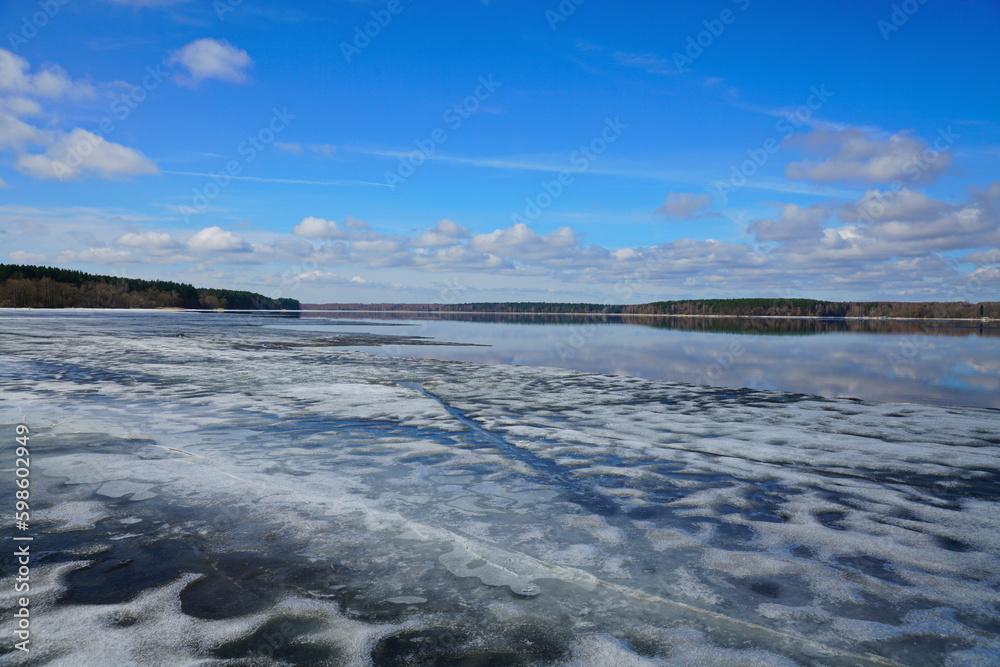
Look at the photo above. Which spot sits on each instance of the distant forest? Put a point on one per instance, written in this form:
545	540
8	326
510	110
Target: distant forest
718	307
44	287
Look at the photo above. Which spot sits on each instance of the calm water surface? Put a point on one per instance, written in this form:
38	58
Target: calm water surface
955	363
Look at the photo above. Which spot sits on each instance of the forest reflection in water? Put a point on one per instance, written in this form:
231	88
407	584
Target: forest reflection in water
942	362
738	325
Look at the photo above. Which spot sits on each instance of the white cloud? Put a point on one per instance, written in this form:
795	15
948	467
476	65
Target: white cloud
457	258
902	205
986	257
147	240
793	223
283	249
324	150
216	239
377	246
97	256
519	240
206	59
81	154
16	134
445	233
351	222
808	248
52	82
21	257
318	228
67	155
318	276
294	149
685	205
851	155
21	106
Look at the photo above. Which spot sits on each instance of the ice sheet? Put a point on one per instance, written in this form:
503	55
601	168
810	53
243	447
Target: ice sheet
213	479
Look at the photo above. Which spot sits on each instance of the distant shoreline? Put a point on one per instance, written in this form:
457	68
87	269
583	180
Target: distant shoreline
977	320
706	317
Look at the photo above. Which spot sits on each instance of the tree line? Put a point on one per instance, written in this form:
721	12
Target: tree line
764	307
24	286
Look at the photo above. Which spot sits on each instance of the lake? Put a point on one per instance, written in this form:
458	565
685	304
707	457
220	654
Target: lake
239	489
939	363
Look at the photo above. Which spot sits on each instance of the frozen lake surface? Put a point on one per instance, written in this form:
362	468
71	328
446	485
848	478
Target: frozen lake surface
216	490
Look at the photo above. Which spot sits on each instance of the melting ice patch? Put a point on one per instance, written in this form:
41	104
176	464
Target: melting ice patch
209	491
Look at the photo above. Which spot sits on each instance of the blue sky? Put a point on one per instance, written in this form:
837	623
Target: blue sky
507	150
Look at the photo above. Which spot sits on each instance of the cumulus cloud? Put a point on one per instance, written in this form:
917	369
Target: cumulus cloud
51	82
687	257
685	205
81	154
903	205
914	223
66	155
459	258
20	106
97	256
854	156
906	230
147	240
216	239
445	233
379	245
792	223
207	59
351	222
318	276
519	240
22	257
16	134
819	247
318	228
283	249
983	257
